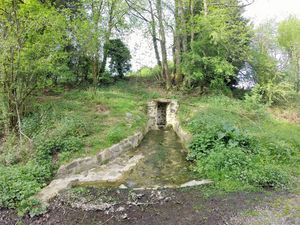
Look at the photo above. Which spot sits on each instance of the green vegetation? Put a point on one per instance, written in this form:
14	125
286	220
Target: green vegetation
64	126
237	143
217	52
241	146
65	91
119	56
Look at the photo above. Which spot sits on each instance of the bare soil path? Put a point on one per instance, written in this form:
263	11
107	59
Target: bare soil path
167	207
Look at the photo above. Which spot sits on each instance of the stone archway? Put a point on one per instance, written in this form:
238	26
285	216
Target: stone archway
162	112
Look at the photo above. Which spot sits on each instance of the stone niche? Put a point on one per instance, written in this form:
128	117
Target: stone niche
162	113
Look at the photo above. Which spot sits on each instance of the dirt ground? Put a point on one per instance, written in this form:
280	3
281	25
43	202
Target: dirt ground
167	207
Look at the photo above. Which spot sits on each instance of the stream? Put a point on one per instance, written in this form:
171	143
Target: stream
164	163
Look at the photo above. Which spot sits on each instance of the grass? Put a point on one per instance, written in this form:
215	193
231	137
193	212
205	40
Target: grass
276	140
69	124
63	126
109	114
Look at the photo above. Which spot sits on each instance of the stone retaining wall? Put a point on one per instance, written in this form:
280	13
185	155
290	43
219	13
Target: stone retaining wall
83	164
171	114
184	136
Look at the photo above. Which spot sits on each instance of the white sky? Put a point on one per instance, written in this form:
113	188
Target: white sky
260	11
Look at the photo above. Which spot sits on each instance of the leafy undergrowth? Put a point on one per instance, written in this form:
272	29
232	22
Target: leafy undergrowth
64	126
240	145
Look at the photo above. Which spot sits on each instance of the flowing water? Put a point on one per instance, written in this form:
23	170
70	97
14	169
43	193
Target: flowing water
164	163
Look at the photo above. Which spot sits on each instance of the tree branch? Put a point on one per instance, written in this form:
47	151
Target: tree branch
248	3
139	15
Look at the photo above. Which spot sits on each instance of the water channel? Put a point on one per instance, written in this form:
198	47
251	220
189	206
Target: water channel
164	163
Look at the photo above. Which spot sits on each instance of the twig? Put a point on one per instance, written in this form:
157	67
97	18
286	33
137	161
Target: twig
107	220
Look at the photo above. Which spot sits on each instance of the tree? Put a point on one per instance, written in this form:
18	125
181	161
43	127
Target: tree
117	9
269	65
289	33
92	29
264	53
145	11
220	47
31	48
119	56
165	67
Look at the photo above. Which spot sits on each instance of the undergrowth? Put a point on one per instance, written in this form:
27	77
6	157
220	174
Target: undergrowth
240	146
62	127
237	144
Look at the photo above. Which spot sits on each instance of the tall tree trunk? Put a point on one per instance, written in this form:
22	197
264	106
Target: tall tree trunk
192	8
107	36
183	25
96	15
177	44
205	7
298	75
95	70
165	68
153	34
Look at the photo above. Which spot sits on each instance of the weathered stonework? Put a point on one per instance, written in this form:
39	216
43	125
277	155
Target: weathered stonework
171	118
154	112
82	164
162	113
125	145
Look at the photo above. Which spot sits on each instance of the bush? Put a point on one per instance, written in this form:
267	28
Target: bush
225	163
269	176
12	151
254	99
225	153
219	138
281	151
106	78
47	148
19	183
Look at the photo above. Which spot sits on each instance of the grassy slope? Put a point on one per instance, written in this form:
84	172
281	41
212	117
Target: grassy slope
107	115
63	126
110	114
262	124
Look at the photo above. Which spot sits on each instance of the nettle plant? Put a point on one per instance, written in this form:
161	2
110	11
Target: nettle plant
225	153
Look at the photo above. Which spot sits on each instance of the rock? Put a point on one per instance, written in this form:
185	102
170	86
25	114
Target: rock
124	216
167	199
194	183
122	186
129	116
130	184
120	209
139	196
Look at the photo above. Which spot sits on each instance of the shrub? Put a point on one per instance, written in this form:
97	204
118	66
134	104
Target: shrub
47	148
10	151
219	138
19	183
254	99
224	153
269	176
106	78
281	151
225	163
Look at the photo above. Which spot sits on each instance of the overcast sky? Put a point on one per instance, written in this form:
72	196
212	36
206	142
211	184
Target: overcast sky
262	10
258	12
